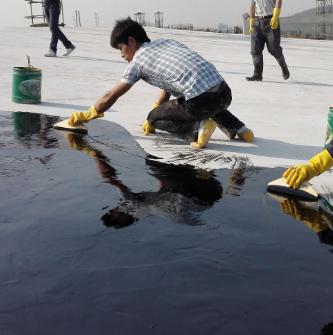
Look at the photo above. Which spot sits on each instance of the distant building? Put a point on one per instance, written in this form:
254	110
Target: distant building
308	24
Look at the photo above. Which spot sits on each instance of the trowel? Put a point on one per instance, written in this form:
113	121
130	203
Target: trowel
306	191
63	125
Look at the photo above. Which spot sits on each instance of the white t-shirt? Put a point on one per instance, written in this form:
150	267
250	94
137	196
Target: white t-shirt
264	7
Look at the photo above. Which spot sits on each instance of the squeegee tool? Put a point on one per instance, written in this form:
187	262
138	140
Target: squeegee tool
63	125
306	191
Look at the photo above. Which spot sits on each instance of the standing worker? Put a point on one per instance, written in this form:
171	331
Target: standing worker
52	11
265	29
202	95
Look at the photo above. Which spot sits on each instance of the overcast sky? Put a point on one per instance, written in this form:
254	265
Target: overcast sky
203	13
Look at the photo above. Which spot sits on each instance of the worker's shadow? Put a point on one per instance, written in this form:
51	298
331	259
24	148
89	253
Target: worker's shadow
183	193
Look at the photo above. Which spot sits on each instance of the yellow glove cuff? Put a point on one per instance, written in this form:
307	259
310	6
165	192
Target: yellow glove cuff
154	105
321	162
92	114
251	22
276	12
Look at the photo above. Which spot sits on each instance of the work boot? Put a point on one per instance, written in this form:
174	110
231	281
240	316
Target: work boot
258	62
254	78
284	67
206	130
245	134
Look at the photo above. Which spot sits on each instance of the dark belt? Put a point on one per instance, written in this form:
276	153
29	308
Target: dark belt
264	17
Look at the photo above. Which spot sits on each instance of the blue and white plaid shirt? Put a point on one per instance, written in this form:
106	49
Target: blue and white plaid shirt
173	67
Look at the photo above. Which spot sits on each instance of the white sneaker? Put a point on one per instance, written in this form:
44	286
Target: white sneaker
51	53
69	51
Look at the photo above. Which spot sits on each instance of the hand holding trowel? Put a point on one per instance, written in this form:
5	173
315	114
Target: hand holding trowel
76	122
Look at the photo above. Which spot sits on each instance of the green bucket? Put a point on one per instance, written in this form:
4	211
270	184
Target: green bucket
27	85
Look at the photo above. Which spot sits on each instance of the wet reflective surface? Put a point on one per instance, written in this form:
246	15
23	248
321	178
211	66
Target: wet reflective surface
96	238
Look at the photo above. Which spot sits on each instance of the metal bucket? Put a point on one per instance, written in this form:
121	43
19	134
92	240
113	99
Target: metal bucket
27	85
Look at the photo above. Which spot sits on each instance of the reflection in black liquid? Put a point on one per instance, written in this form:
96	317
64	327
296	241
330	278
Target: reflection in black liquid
313	216
327	329
34	129
183	193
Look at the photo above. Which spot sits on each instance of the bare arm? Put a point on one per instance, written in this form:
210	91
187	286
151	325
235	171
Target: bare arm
253	9
110	97
278	3
163	97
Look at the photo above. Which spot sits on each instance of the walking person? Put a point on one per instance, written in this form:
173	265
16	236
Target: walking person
52	11
265	29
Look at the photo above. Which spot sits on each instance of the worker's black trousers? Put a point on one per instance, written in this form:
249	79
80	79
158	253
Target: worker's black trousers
52	13
183	117
263	34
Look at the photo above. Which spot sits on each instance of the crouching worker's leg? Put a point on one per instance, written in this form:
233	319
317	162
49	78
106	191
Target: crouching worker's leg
172	117
206	130
228	122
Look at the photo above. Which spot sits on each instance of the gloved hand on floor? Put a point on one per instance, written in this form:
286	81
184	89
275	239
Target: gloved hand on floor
275	19
251	21
147	128
318	164
79	117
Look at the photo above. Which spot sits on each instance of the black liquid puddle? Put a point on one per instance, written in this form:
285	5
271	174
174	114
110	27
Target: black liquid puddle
189	251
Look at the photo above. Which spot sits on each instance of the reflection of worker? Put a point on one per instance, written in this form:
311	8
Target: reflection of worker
52	11
183	192
265	29
318	164
202	94
316	219
327	329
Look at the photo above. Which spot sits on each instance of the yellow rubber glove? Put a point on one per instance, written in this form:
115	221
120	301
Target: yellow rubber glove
275	19
251	21
147	128
318	164
154	105
79	117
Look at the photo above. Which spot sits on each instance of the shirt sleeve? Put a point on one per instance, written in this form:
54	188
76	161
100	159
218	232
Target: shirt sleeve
132	74
329	148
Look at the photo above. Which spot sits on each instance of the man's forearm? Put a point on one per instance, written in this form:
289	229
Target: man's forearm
278	4
110	97
163	97
252	10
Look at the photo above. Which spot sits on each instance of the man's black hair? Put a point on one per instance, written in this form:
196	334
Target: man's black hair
126	28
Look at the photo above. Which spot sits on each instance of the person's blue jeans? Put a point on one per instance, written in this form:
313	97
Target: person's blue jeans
52	13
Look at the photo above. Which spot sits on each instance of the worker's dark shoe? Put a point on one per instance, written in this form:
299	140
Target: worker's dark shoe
284	67
258	63
255	77
245	134
206	130
286	74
